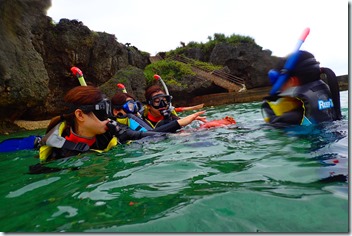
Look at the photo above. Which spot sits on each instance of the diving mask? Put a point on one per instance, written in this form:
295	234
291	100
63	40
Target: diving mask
160	101
101	110
131	106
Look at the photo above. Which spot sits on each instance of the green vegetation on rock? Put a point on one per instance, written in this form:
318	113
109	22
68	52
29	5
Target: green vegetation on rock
171	71
212	41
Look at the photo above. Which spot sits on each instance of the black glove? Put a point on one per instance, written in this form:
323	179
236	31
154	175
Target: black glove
113	126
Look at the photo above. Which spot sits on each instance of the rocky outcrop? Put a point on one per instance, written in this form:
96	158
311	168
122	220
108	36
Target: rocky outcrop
244	60
135	87
23	76
36	55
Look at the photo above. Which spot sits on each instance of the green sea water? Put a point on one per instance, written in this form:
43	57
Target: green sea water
244	178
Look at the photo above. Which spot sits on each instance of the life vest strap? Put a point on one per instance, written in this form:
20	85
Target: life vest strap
81	147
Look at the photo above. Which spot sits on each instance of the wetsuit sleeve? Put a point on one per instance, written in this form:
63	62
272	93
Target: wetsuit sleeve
124	133
15	144
170	127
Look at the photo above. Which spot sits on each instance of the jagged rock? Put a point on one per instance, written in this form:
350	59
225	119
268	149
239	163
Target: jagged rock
245	60
133	79
192	86
196	53
23	77
36	55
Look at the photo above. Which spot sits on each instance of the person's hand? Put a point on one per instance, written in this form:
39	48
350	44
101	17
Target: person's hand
199	106
202	119
196	107
188	119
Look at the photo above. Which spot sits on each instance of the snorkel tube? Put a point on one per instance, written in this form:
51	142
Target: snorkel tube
171	108
157	77
78	73
289	65
122	87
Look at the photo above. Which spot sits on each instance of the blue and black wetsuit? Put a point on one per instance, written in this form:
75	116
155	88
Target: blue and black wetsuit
311	103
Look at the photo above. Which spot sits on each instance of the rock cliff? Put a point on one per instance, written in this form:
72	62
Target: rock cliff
36	55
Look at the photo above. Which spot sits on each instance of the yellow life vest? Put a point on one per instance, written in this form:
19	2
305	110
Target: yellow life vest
285	104
53	139
124	121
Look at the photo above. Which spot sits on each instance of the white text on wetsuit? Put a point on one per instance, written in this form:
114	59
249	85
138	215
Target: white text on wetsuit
325	104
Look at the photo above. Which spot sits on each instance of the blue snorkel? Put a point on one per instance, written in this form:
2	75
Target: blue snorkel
278	79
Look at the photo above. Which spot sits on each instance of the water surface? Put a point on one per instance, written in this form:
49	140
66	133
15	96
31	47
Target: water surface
243	178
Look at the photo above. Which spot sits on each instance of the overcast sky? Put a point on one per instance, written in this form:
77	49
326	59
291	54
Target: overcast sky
160	25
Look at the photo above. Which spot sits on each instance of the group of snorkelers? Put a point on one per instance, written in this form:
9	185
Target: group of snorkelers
91	121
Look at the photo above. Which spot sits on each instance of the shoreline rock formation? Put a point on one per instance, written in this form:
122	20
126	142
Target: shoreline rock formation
36	55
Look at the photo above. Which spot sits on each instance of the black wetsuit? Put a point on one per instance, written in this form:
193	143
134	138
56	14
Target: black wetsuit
316	105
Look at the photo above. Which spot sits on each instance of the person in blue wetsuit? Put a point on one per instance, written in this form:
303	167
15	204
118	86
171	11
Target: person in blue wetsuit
127	111
305	98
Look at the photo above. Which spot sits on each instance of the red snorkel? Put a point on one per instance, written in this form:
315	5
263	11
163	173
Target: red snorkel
122	87
78	73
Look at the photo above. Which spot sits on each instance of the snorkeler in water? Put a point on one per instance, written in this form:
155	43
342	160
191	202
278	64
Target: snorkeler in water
304	98
126	110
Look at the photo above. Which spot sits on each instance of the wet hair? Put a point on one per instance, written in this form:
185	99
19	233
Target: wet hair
307	68
120	98
83	95
152	89
74	98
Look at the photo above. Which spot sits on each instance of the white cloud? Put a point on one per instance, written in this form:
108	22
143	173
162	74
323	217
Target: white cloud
158	25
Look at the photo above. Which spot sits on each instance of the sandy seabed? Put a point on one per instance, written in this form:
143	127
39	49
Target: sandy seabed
32	125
